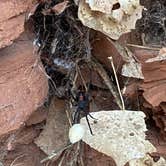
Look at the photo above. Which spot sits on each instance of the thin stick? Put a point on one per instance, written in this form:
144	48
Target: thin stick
79	71
12	164
53	154
68	117
81	154
98	67
144	47
62	159
117	82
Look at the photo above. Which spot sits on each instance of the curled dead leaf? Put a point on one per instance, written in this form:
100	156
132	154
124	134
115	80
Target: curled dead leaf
60	7
57	9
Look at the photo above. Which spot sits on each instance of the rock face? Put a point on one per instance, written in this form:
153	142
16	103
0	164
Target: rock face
12	19
23	84
154	85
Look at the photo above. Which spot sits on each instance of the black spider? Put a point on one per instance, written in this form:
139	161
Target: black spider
83	101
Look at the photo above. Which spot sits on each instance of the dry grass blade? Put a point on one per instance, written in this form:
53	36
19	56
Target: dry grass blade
98	67
117	82
144	47
84	83
68	116
53	154
13	162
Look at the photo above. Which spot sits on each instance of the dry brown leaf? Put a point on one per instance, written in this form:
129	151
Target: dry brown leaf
55	134
131	68
99	15
147	161
60	7
161	56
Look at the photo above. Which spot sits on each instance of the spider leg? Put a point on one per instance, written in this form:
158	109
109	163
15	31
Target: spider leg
89	124
92	116
76	117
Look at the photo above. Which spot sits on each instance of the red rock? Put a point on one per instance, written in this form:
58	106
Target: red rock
144	54
24	155
11	29
37	117
23	85
154	85
11	8
95	158
12	19
154	92
23	137
154	71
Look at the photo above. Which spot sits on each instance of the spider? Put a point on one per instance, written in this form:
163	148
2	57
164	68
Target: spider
83	101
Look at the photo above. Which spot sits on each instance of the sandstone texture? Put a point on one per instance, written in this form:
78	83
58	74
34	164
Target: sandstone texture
12	19
23	84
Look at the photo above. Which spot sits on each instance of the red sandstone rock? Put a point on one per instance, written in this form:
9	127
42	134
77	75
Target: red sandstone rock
154	86
12	19
23	85
25	155
38	116
11	29
11	8
102	48
154	92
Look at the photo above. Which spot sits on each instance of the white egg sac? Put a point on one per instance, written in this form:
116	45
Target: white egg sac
76	133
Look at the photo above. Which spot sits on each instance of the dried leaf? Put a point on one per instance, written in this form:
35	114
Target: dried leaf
32	10
147	160
119	134
55	134
131	68
160	57
60	7
101	16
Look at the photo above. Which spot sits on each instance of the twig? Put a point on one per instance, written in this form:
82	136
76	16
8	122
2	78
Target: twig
98	67
117	82
81	152
74	80
78	69
61	161
53	154
144	47
12	164
68	117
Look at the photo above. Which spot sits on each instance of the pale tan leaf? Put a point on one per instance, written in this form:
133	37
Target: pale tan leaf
60	7
119	134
